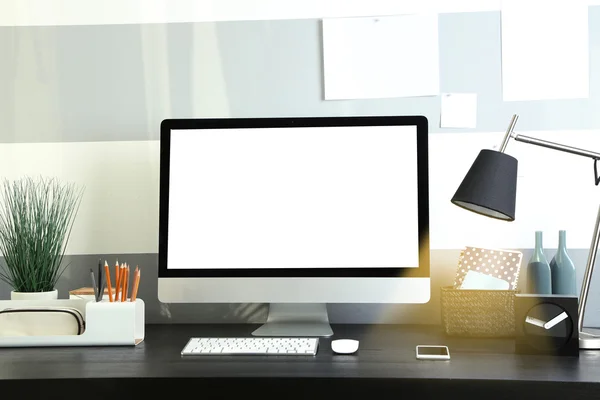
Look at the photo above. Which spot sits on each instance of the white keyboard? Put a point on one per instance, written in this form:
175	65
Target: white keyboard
287	346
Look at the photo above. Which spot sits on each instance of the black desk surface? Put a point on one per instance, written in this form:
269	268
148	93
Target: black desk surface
385	366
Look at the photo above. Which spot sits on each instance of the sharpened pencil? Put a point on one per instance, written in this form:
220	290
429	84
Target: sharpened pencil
127	281
136	284
107	273
123	274
117	281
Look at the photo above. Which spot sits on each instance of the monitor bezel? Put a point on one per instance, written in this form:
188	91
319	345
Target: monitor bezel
420	122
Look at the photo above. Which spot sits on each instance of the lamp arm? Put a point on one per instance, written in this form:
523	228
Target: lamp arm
549	145
556	146
543	143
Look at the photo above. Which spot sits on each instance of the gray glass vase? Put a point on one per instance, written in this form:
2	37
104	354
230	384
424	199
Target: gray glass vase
539	275
564	280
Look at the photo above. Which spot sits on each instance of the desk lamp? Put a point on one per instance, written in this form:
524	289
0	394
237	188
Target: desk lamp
490	189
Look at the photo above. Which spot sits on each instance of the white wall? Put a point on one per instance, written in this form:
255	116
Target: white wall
87	12
119	213
120	210
84	12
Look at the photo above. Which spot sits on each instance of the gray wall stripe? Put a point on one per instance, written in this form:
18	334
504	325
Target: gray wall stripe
102	83
443	269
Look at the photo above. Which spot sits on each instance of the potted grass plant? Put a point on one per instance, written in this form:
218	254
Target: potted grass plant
36	217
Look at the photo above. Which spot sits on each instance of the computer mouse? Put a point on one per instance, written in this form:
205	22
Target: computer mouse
344	346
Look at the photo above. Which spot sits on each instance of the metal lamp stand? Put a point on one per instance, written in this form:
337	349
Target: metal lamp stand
589	339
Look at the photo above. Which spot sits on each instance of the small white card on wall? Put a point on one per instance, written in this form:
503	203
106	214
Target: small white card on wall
459	110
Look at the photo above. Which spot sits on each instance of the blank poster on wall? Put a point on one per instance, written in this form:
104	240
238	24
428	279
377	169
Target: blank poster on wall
545	50
381	57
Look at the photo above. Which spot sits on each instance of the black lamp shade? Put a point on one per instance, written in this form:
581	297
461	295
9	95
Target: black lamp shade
490	186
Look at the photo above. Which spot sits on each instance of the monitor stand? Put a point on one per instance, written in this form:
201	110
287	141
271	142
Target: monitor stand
297	320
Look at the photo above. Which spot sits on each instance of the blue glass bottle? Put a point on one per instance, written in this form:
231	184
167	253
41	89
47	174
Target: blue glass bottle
562	269
539	278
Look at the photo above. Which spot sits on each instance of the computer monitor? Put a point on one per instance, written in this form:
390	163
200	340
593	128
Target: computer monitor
295	212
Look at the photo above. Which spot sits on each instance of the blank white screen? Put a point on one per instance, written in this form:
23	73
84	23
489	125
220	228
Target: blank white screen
337	197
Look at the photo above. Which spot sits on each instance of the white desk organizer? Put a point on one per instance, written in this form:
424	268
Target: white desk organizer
106	324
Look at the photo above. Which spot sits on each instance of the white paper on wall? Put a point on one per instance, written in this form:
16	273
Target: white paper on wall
100	12
381	57
545	53
458	110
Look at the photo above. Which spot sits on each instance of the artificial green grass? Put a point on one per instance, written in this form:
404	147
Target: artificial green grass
36	217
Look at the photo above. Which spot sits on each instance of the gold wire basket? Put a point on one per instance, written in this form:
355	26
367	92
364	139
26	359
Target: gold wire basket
478	313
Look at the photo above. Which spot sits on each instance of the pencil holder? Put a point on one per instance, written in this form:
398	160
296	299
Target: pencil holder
106	323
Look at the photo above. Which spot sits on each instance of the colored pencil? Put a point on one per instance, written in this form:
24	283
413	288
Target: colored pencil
121	281
117	281
127	281
124	282
136	284
107	273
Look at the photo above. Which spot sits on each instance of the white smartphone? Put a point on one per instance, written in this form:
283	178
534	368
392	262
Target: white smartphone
427	352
